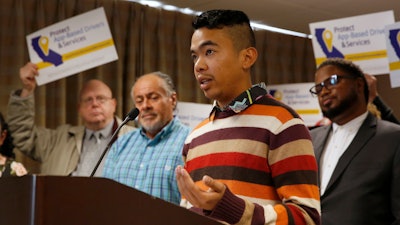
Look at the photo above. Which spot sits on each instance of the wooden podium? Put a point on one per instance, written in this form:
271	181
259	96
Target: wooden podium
53	200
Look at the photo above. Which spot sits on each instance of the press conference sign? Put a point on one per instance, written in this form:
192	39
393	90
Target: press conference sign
360	39
71	46
393	46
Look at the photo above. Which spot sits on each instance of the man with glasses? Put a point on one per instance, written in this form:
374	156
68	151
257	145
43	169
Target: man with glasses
375	103
358	155
328	83
66	150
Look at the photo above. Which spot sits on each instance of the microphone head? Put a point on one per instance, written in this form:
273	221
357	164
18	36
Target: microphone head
132	114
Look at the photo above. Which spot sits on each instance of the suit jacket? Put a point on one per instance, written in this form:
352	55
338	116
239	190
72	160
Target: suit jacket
365	185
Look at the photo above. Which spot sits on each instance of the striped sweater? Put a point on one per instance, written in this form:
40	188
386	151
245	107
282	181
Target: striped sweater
262	152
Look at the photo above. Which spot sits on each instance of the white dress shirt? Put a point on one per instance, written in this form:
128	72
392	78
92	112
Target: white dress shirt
339	139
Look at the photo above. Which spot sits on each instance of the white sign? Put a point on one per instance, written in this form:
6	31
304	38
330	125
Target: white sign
360	39
71	46
295	95
298	97
393	48
192	114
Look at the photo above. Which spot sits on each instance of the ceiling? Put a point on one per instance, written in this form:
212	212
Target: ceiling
294	15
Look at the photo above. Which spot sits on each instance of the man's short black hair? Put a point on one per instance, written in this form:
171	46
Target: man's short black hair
220	18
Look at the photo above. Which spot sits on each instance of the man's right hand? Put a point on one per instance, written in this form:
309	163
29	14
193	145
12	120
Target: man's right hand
27	74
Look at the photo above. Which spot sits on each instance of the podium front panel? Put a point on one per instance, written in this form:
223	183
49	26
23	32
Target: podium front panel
53	200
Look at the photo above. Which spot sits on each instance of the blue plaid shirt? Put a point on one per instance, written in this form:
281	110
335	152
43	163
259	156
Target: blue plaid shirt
149	164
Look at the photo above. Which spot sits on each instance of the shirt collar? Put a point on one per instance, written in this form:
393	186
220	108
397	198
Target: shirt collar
354	124
243	101
105	132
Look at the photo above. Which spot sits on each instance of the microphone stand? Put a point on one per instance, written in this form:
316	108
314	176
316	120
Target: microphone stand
131	116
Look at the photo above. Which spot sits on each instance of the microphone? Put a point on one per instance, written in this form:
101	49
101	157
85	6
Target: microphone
131	116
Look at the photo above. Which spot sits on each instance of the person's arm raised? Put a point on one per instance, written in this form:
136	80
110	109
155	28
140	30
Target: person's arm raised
27	75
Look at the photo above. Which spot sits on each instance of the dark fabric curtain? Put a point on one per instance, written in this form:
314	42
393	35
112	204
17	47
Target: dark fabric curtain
146	39
283	59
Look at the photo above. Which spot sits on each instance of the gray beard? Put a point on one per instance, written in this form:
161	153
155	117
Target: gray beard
155	128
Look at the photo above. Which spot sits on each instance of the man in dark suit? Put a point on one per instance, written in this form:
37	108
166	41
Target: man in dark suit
358	155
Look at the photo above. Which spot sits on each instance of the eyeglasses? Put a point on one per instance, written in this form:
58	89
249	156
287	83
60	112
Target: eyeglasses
101	99
328	83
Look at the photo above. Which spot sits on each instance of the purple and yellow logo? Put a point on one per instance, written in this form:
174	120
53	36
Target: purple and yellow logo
325	40
394	38
41	46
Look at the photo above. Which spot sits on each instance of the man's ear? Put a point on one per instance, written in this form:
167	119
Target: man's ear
173	99
249	57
